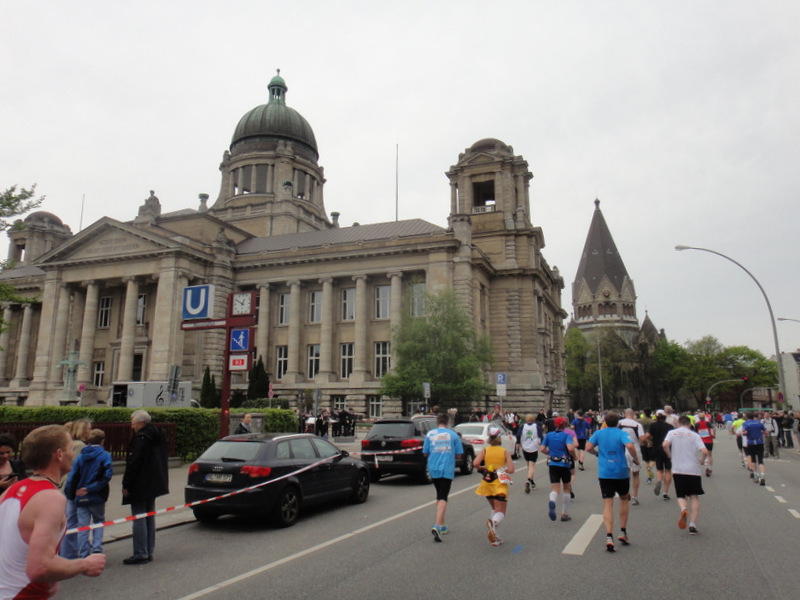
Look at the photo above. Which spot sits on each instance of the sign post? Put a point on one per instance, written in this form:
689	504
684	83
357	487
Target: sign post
500	385
198	307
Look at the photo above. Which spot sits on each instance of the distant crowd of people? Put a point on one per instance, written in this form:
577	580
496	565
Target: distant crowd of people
339	423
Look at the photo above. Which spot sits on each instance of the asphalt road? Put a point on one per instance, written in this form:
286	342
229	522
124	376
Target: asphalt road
383	549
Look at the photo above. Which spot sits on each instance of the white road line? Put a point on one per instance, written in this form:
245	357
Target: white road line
769	488
287	559
580	541
780	499
794	513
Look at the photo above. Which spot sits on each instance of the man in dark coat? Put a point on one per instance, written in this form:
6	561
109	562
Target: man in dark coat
144	480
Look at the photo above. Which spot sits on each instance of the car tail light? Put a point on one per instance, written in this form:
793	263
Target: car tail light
410	443
365	443
478	441
193	468
253	471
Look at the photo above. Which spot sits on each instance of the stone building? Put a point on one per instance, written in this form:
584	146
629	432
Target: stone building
328	296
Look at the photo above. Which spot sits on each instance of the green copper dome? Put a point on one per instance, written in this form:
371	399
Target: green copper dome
274	121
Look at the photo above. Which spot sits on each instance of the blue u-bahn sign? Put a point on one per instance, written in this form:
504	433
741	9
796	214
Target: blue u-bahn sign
198	302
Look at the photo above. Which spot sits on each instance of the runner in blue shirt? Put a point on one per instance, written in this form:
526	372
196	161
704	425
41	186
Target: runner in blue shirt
610	445
442	447
753	432
582	431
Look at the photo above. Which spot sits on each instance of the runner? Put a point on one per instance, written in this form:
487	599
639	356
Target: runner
559	447
611	445
657	435
647	451
682	446
635	431
753	430
491	462
529	436
736	430
582	431
706	432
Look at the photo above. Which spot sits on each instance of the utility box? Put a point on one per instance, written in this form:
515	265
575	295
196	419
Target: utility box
146	394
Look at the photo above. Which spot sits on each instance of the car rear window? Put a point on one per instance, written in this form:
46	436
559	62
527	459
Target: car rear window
391	430
470	429
234	451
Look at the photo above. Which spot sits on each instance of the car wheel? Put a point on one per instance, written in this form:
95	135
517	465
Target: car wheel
467	466
424	477
288	509
361	489
204	517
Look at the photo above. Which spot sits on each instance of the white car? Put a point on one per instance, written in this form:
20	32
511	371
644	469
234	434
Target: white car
478	435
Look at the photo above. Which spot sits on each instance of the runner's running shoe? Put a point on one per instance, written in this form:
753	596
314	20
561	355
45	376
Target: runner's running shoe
551	512
682	519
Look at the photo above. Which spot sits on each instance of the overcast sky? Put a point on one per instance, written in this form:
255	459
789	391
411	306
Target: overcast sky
683	118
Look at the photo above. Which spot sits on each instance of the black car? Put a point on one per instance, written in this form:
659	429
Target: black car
379	449
240	461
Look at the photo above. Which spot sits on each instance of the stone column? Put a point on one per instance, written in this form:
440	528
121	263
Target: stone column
270	177
362	317
295	352
232	186
262	333
307	188
125	368
4	337
396	313
167	336
59	348
253	173
453	198
326	330
21	368
87	332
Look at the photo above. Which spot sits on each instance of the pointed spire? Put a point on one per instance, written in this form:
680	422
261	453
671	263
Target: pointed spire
600	257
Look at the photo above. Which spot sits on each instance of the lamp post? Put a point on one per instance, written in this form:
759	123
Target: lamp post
781	384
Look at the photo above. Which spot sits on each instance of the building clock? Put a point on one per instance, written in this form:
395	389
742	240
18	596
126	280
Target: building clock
242	303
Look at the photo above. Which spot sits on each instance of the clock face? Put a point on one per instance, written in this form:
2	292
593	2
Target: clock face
242	303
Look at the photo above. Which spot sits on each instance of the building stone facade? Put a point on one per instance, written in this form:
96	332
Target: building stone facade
328	297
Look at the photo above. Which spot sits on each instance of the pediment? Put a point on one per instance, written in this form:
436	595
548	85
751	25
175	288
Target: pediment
480	159
106	240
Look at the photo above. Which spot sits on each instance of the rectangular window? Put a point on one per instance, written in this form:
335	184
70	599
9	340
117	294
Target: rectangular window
347	360
383	358
141	309
338	402
313	360
348	304
282	362
417	299
383	301
98	373
315	307
375	407
104	313
283	308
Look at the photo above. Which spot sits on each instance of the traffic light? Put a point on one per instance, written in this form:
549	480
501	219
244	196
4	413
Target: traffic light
744	378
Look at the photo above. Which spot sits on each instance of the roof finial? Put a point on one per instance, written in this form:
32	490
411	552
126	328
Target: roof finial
596	203
279	72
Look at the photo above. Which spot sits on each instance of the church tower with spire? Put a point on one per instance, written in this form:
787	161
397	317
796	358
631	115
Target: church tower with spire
603	295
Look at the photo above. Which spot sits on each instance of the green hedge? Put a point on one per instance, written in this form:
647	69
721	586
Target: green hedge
197	428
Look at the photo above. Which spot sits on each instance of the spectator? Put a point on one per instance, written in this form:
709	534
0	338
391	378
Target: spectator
79	430
244	425
87	486
11	470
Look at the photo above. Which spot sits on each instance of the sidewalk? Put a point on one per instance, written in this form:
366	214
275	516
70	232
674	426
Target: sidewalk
177	481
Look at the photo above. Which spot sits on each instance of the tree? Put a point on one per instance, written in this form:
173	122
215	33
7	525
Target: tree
257	381
13	204
209	398
443	349
581	383
670	368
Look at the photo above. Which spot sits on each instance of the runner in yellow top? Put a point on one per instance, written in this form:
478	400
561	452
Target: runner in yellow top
489	461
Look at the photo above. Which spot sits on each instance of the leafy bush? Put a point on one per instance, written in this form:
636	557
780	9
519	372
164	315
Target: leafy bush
267	403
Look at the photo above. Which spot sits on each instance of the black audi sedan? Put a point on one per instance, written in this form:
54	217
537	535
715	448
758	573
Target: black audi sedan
241	461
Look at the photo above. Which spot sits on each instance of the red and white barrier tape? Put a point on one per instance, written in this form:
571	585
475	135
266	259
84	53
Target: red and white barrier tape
161	511
376	454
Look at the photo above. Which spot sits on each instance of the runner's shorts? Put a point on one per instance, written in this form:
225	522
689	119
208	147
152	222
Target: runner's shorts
560	474
687	485
610	487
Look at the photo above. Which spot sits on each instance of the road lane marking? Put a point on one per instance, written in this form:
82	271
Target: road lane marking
769	488
780	499
794	513
302	553
580	541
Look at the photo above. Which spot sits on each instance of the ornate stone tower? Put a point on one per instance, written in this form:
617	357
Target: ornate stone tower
271	182
603	295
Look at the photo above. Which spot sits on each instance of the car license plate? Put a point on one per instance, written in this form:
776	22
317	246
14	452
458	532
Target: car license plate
219	477
385	458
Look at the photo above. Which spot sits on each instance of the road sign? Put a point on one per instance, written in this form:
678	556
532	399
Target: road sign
500	382
198	302
240	340
426	390
238	362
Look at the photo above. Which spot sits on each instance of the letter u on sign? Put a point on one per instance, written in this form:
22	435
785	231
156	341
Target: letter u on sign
198	302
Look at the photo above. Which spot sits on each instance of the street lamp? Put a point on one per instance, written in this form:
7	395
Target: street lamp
781	385
788	319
